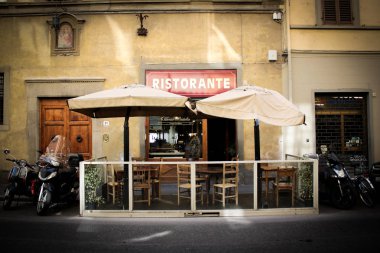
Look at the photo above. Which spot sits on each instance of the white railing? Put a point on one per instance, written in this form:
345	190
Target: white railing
252	199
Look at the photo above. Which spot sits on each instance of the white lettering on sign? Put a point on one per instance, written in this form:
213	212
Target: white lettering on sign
191	83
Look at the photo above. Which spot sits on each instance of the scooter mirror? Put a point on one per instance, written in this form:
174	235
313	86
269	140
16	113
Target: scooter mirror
6	151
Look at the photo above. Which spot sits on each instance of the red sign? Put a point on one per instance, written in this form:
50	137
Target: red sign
192	83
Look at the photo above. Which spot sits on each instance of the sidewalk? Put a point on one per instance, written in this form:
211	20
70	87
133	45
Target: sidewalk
3	183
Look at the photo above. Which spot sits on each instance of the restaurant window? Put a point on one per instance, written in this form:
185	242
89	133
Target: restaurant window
337	12
175	137
342	125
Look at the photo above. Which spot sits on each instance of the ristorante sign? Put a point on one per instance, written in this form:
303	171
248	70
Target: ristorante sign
192	83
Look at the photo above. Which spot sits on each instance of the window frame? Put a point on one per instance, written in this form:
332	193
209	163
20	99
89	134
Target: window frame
76	25
354	15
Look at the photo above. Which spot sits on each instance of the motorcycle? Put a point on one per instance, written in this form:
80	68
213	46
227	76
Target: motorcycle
23	180
59	175
336	185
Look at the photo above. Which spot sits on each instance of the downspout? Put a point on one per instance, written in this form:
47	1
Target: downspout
289	49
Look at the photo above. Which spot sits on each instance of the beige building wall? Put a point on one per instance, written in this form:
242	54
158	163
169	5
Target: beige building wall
111	54
332	58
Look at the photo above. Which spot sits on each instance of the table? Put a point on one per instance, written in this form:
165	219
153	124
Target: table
209	172
267	170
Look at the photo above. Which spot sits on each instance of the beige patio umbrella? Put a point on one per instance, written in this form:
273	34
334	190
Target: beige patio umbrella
129	101
252	102
134	100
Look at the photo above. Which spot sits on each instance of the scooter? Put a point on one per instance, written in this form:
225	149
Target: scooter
335	184
23	180
59	176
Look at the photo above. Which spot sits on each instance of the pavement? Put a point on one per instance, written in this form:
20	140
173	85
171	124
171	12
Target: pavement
3	183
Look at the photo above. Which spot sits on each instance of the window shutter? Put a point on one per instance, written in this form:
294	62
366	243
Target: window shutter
329	12
337	12
345	11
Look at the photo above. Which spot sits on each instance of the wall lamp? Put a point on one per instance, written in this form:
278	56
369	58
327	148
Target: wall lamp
142	31
277	16
55	22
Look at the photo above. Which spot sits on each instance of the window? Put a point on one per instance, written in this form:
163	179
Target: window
65	36
338	12
174	136
341	124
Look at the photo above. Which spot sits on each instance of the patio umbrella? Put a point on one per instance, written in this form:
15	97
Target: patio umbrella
252	102
129	101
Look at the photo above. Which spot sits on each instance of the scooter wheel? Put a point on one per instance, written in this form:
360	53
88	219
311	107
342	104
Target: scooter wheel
8	198
366	193
43	202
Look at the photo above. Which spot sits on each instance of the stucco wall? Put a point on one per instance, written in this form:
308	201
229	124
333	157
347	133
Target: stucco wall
335	73
111	50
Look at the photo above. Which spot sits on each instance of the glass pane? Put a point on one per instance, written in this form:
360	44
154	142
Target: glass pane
175	137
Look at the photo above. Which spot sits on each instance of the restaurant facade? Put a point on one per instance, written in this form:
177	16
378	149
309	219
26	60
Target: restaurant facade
210	39
52	51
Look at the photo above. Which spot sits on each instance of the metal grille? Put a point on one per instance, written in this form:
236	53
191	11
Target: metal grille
341	124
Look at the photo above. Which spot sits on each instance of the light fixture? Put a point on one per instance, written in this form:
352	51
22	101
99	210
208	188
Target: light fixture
55	22
277	16
142	31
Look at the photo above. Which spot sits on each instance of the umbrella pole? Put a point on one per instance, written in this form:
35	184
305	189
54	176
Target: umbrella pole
126	158
257	158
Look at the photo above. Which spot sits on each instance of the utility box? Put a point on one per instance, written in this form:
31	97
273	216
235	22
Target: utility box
272	55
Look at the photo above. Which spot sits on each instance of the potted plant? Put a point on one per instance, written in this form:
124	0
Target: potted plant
92	183
306	182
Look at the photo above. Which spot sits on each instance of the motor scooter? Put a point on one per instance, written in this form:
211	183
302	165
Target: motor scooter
59	176
23	180
335	184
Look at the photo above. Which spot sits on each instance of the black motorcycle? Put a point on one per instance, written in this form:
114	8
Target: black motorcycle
336	185
23	180
60	180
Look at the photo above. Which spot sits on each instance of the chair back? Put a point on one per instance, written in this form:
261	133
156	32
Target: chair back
110	173
231	173
286	175
183	173
141	175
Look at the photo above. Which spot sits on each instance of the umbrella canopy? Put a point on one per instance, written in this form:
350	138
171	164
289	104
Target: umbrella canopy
128	101
252	102
136	99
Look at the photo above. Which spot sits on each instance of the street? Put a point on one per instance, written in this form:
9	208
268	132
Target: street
332	230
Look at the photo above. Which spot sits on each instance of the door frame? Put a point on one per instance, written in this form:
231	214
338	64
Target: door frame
58	88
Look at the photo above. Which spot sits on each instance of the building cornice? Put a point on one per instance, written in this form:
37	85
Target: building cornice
335	27
14	9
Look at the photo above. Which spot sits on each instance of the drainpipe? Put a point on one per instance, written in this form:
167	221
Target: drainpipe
289	49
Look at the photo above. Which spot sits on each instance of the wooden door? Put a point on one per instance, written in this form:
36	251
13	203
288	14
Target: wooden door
56	118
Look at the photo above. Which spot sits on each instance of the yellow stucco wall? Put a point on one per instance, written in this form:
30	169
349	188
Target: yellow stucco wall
111	49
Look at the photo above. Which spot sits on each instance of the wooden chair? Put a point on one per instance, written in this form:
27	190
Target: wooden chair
184	183
113	185
285	181
155	177
228	188
141	184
